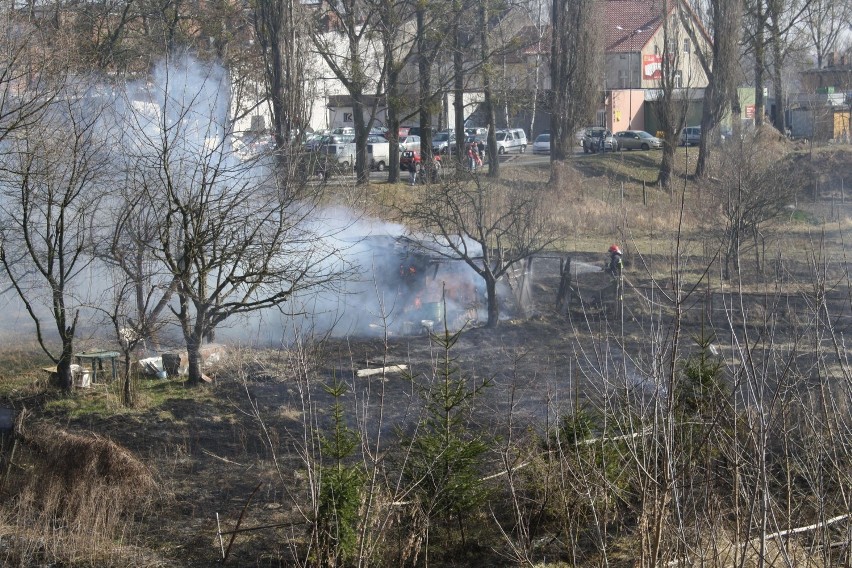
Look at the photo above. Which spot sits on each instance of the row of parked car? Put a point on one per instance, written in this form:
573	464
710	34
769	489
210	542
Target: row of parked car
508	140
598	138
340	144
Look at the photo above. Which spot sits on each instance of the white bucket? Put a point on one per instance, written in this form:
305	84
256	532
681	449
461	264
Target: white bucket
81	377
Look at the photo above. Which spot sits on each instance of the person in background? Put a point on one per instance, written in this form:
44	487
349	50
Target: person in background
471	157
413	166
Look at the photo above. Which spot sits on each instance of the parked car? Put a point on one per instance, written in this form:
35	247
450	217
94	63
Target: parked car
479	139
541	145
690	135
412	157
637	140
314	140
442	141
598	139
511	140
415	130
409	142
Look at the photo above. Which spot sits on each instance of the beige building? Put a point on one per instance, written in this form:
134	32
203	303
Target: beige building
635	46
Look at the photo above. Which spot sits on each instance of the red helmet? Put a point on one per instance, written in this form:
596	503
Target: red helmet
615	249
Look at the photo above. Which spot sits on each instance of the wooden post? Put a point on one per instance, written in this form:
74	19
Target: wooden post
644	195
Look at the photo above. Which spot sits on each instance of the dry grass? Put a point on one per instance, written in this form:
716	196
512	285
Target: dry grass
73	501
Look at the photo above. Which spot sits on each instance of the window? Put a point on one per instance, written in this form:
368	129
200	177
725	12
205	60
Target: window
622	79
686	45
678	79
672	47
656	49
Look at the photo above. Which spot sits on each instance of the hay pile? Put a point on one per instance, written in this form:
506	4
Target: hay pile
74	498
85	467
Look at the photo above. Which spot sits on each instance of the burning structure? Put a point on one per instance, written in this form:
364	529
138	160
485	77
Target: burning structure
422	290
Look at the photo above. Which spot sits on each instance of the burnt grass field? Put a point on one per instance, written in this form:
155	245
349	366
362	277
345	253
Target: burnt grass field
185	467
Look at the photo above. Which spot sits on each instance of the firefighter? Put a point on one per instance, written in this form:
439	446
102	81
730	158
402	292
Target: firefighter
615	264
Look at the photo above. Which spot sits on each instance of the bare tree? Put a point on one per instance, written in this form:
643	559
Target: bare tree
53	173
234	242
350	49
785	37
750	190
575	61
826	21
772	30
141	288
671	111
429	41
102	30
397	41
282	34
719	64
28	84
491	227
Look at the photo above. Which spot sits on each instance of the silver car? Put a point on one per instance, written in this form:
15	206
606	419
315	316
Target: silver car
690	135
442	141
410	142
637	140
541	145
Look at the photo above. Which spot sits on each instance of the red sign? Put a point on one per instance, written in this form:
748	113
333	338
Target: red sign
749	111
652	66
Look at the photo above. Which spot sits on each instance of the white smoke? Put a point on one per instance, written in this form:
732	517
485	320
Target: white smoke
185	107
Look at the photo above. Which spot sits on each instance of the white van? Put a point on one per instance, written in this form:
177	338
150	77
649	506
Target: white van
511	140
342	147
378	153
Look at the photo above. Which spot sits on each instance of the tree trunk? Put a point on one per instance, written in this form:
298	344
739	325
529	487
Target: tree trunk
493	305
66	335
127	391
393	121
193	355
362	168
667	166
488	95
777	83
458	91
707	122
759	57
424	70
63	367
